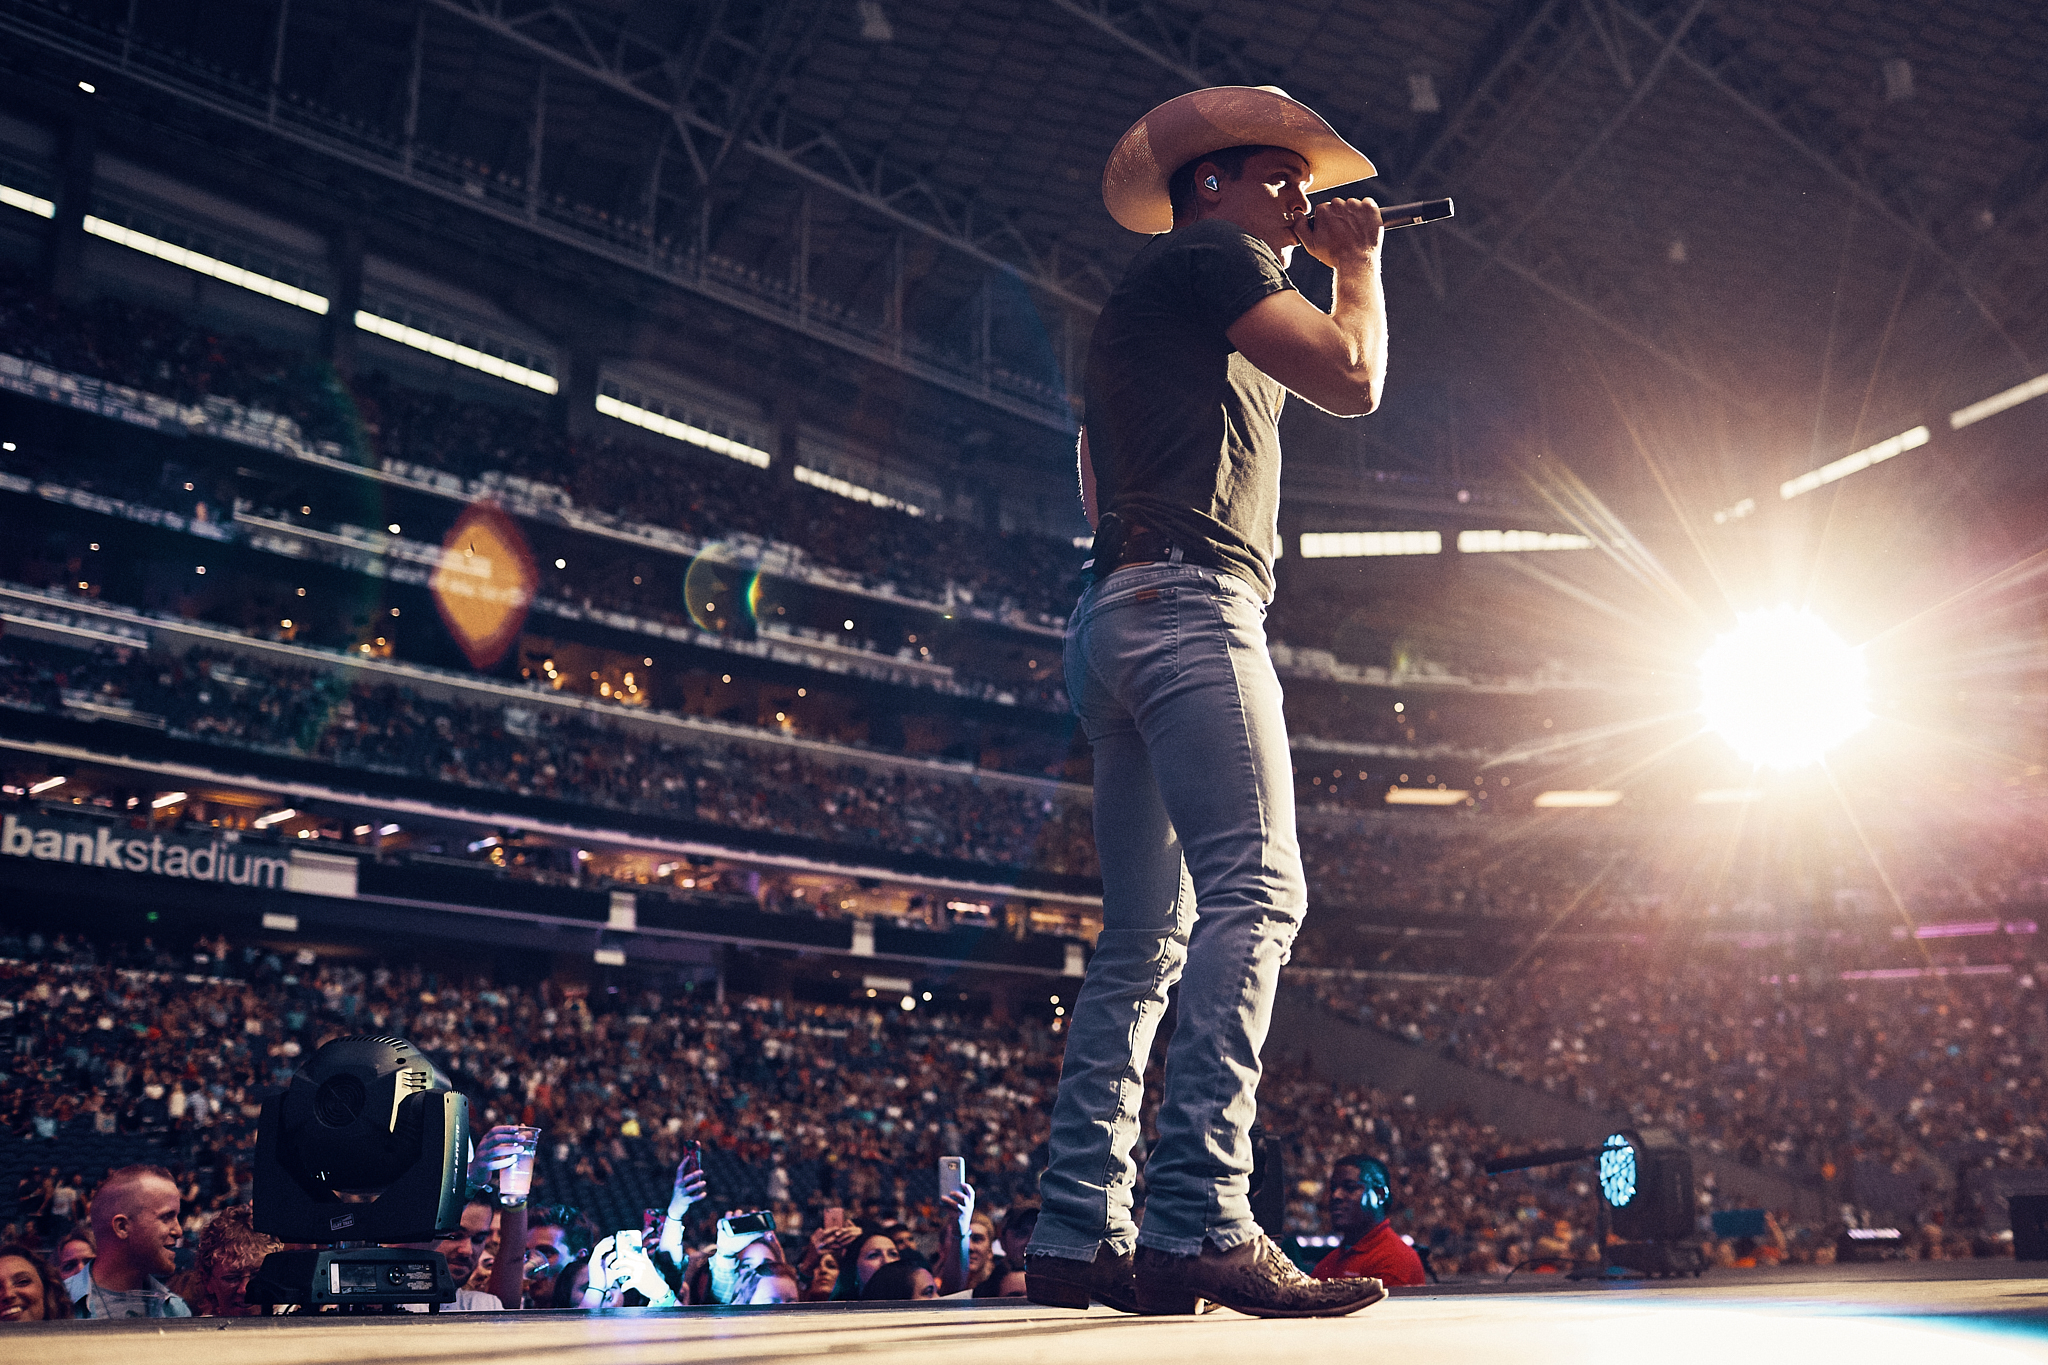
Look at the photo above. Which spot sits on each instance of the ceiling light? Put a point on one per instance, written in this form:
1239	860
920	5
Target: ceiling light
874	22
663	425
467	356
1961	417
1898	80
1509	542
202	264
1426	796
27	203
1576	800
1850	464
1369	544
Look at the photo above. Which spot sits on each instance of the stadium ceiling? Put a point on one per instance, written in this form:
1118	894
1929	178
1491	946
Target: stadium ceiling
1758	206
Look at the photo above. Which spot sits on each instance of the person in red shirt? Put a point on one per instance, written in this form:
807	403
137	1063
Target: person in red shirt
1360	1195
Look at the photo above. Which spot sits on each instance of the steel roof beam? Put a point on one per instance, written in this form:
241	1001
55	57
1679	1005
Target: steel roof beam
435	175
809	151
1162	39
1768	99
1638	90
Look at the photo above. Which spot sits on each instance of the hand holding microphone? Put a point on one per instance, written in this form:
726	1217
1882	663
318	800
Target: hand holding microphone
1340	224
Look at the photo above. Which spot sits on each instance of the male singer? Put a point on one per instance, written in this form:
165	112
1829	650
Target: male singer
1166	661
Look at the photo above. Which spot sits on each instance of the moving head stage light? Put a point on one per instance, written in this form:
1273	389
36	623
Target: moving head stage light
1645	1198
367	1145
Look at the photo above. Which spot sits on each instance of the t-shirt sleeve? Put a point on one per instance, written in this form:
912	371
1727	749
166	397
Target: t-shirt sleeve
1228	272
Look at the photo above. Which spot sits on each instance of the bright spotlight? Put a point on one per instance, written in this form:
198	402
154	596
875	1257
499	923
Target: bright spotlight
1783	689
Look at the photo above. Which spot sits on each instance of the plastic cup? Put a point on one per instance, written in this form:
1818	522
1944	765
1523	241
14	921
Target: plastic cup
515	1182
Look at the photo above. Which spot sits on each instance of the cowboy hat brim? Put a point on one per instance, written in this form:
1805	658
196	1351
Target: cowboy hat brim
1134	183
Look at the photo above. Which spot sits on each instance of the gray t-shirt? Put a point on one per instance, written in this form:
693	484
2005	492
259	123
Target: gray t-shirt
153	1300
1183	432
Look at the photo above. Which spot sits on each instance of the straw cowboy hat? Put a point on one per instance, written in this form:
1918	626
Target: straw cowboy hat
1204	121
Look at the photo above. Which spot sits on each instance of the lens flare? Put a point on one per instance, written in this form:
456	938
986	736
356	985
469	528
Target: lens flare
1783	689
715	588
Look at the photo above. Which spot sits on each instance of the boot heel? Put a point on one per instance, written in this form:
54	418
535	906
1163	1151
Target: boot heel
1052	1293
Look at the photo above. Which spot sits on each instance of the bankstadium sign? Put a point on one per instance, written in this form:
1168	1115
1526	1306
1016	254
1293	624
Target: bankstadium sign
194	857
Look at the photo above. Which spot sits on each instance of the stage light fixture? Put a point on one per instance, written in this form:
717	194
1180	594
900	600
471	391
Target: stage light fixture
1646	1186
368	1144
1783	689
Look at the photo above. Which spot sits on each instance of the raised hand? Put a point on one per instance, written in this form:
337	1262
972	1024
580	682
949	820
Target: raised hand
496	1150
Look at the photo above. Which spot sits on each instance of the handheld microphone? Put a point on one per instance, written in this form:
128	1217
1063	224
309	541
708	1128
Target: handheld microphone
1405	215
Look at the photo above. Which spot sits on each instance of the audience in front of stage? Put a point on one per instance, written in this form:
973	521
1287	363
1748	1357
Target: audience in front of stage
229	1251
812	1108
136	1231
1361	1197
29	1290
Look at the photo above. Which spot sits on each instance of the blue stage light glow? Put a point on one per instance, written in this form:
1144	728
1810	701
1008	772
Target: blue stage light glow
1618	1170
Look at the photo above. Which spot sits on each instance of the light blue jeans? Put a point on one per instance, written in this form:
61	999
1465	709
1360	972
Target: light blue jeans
1201	885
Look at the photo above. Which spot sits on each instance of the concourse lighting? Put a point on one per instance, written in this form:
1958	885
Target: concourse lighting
1957	420
202	264
275	817
1582	800
1783	689
1509	542
26	202
1735	513
663	425
853	491
1369	544
167	800
1850	464
1426	796
1728	796
468	356
47	784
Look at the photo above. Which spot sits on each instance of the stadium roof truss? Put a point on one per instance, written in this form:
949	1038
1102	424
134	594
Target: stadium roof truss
912	182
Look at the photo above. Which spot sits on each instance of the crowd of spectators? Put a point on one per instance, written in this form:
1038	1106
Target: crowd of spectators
1934	857
389	729
628	477
1564	868
799	1109
1819	1060
627	589
832	1117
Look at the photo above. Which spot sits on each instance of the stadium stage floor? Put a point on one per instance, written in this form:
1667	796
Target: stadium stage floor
1919	1312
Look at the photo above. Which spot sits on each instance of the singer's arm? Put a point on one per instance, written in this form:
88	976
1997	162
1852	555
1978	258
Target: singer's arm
1336	360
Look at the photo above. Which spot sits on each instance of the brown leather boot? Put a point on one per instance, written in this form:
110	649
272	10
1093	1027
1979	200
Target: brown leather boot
1255	1277
1061	1282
